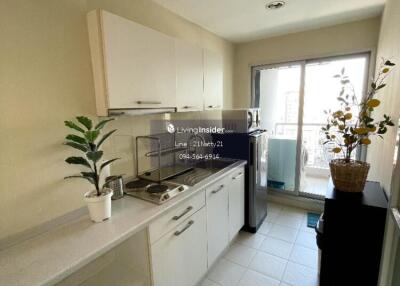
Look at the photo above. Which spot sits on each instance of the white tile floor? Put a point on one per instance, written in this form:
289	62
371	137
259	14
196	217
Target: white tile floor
282	253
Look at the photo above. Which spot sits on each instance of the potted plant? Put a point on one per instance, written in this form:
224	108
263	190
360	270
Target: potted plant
89	142
345	132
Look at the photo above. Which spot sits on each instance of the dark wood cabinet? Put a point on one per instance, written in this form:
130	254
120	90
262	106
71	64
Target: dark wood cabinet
354	225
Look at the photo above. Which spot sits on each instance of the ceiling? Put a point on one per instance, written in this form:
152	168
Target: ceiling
246	20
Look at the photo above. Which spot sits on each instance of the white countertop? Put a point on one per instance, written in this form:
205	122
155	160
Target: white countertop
52	256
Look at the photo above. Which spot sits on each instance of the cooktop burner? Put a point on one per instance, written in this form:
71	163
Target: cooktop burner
137	184
152	191
156	188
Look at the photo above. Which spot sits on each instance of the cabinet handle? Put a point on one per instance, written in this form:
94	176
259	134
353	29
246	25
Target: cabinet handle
179	232
217	190
213	106
238	175
188	107
188	209
148	102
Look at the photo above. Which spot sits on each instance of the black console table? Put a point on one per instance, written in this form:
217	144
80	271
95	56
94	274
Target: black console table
354	225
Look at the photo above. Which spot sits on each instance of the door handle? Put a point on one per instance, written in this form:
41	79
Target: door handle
179	232
148	102
251	163
217	190
188	209
238	176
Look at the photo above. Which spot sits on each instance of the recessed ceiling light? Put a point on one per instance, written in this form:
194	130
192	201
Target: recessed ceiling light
275	5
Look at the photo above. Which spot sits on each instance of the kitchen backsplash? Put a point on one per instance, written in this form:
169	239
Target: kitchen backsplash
122	143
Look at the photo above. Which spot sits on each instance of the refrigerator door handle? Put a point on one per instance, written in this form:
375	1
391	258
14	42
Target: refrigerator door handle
251	163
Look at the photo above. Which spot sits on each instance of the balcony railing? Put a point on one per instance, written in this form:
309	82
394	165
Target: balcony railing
318	154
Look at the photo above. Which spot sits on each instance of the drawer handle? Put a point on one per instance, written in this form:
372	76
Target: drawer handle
189	107
188	209
148	102
217	190
238	176
179	232
213	106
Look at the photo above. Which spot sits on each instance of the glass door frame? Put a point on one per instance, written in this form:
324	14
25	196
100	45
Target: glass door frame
361	152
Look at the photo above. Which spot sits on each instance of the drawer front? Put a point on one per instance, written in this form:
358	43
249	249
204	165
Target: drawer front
175	216
217	186
179	258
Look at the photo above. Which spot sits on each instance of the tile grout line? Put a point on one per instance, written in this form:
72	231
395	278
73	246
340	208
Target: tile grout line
248	267
273	223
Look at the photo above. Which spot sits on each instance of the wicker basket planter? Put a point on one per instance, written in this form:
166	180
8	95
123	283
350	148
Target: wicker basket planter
349	176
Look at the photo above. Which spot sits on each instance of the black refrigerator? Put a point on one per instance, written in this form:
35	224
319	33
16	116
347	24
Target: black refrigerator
253	148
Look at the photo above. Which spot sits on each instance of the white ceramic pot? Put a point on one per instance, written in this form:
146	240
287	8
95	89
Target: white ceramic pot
99	207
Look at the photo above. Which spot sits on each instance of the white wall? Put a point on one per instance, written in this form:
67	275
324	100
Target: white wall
46	78
380	153
336	40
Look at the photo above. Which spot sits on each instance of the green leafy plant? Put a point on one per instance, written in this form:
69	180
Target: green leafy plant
88	142
346	131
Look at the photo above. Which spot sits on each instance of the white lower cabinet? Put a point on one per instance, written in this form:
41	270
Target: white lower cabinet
182	253
179	258
217	220
236	202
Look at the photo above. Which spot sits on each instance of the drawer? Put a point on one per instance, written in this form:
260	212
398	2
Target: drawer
179	258
237	174
175	216
218	186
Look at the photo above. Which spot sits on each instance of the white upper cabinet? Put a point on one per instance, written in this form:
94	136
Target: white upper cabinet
213	80
189	76
137	67
133	65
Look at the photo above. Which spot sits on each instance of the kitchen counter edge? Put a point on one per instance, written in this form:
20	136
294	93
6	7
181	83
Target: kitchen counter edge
52	256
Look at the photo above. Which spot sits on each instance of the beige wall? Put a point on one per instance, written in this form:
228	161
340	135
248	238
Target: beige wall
335	40
381	152
46	78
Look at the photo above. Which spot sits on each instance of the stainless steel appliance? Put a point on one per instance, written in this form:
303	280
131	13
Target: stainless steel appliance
162	145
165	190
151	184
116	184
153	192
253	148
244	120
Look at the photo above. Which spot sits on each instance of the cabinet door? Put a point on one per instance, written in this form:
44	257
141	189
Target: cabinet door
180	257
217	220
213	80
189	76
140	65
236	202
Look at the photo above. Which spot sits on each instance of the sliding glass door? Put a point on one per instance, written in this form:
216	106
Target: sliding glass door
293	98
279	96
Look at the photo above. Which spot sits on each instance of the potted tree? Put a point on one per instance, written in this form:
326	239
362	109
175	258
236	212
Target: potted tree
89	142
345	132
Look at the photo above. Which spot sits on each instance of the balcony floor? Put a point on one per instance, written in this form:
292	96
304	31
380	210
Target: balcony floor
315	185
